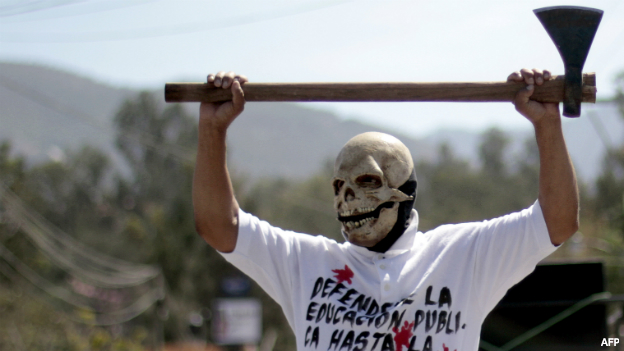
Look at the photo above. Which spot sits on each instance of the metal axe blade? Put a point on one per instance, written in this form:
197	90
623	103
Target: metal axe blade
572	29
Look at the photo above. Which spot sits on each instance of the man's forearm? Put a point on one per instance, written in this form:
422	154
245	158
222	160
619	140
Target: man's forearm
558	190
215	208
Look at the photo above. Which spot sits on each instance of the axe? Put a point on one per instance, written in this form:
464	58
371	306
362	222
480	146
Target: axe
571	28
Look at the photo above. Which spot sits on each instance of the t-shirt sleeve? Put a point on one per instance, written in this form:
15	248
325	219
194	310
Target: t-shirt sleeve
508	248
266	254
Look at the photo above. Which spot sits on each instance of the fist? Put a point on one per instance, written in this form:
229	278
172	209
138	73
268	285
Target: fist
534	111
219	115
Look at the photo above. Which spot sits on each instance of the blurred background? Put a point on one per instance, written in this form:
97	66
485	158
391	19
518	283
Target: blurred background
98	249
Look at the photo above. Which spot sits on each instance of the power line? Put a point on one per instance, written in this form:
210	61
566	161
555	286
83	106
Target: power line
13	268
156	32
57	291
24	7
94	267
95	7
17	271
35	279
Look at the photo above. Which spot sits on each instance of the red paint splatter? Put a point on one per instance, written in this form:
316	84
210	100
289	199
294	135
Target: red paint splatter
446	348
402	337
343	274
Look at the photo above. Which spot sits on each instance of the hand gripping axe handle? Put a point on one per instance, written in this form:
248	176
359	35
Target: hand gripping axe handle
571	28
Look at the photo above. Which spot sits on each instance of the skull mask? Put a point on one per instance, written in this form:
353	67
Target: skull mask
367	174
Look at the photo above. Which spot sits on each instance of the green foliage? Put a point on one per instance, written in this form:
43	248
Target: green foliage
159	146
604	225
305	206
492	152
148	218
27	324
12	168
610	190
451	191
619	93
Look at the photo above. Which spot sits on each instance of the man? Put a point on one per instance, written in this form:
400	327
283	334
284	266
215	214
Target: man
388	287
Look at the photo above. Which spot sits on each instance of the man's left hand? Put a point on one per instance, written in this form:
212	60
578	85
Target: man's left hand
534	111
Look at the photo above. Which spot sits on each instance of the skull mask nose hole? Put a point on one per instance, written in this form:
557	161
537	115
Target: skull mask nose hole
349	194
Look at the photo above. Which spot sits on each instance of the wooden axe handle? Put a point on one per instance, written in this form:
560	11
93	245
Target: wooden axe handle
550	91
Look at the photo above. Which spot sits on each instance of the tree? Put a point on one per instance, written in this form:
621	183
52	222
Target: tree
447	190
609	202
492	153
451	191
304	206
12	168
37	295
159	146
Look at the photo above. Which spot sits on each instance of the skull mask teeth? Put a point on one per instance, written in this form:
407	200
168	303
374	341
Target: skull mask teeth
368	171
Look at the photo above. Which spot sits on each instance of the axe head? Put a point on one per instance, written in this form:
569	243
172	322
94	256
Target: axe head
572	29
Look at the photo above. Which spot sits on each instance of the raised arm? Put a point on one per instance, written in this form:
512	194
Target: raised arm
215	208
558	190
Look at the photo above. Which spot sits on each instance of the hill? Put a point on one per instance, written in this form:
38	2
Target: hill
44	111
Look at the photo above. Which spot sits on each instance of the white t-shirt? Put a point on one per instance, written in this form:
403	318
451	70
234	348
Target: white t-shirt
430	292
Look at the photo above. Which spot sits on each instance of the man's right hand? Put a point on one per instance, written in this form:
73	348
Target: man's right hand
219	115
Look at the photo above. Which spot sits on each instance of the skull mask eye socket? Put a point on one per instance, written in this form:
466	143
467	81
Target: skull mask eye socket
369	181
337	184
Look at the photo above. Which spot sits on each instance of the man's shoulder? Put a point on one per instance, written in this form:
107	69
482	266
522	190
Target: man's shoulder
252	223
450	229
473	228
454	236
316	239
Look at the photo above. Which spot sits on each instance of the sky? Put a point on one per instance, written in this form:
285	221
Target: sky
145	43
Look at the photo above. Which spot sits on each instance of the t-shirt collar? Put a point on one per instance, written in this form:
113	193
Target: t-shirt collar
401	246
